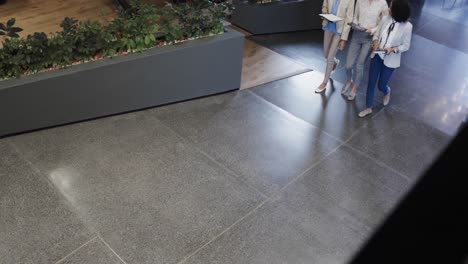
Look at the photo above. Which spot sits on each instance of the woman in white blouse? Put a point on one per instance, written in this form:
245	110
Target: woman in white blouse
392	38
367	16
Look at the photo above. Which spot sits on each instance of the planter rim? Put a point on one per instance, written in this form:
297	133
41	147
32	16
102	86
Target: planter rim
10	83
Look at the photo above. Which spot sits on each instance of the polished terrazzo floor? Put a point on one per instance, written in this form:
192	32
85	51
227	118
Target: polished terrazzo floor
273	174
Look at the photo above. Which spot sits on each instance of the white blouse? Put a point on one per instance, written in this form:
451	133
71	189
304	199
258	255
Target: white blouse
369	13
399	38
386	39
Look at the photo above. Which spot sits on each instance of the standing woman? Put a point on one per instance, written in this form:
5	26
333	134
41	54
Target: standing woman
368	14
393	37
335	34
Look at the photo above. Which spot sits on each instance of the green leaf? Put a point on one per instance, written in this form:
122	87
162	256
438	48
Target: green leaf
11	22
13	35
147	40
16	29
2	26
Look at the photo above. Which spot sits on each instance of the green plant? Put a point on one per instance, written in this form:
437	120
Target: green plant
10	59
141	27
135	30
195	18
9	30
35	52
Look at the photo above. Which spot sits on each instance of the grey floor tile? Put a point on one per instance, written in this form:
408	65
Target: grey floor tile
299	226
36	224
446	31
401	142
357	184
95	252
304	47
150	195
330	111
453	10
445	66
428	91
444	111
265	146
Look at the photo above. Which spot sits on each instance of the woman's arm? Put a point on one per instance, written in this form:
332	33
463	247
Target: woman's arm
325	7
405	46
348	19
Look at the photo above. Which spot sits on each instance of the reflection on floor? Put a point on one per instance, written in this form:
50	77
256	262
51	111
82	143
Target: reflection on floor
272	174
46	16
432	84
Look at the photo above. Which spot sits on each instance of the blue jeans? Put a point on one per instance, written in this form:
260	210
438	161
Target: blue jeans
378	71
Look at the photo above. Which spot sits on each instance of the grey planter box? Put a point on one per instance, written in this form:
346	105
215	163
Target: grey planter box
110	86
277	17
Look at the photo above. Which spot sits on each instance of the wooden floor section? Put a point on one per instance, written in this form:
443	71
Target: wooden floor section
45	16
262	65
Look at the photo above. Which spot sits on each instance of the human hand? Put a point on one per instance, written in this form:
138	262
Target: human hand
389	50
342	44
375	46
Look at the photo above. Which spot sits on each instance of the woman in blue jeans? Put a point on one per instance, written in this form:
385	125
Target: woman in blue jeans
393	37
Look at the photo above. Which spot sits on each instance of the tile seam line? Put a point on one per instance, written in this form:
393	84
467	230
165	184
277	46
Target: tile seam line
49	182
345	142
275	195
111	249
76	250
224	231
231	172
434	18
436	129
363	154
407	178
292	116
66	202
25	159
212	159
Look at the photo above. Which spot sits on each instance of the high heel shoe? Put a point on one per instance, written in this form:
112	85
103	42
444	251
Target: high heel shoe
320	88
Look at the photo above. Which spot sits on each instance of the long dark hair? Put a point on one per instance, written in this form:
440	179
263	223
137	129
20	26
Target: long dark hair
401	10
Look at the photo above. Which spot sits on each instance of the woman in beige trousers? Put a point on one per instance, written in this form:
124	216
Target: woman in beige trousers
335	34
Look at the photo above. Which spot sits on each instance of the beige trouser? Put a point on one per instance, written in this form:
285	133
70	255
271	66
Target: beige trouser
330	47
